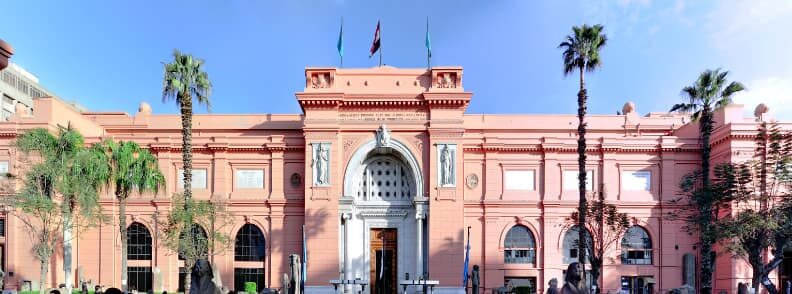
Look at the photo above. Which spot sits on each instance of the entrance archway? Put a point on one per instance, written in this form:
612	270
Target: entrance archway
383	196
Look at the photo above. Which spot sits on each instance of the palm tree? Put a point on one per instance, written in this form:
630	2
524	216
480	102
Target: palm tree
134	169
709	91
581	54
184	80
73	173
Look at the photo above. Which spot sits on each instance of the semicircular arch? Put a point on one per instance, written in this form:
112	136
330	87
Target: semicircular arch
396	148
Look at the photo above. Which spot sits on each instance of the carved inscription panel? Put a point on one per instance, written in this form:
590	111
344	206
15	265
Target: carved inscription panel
383	116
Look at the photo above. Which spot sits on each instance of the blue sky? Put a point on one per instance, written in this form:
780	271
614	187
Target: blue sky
107	55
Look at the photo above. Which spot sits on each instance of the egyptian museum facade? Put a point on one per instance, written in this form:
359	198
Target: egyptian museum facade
387	172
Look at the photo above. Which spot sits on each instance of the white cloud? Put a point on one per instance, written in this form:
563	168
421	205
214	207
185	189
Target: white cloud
775	92
734	22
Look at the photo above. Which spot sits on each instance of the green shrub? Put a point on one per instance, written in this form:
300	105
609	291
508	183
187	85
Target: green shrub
250	287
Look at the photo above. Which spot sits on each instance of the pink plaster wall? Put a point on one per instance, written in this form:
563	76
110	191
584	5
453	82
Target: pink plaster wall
345	111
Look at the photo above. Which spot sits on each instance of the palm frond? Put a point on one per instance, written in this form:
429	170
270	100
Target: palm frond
184	78
581	48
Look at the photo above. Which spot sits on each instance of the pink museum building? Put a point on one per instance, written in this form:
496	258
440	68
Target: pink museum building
386	172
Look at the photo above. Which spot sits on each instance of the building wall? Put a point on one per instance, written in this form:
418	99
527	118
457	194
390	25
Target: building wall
422	110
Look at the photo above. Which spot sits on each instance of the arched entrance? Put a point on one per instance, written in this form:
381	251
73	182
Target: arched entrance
383	211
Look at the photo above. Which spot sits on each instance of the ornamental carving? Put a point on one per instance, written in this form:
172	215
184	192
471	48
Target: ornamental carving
348	144
383	136
471	181
447	80
319	80
296	180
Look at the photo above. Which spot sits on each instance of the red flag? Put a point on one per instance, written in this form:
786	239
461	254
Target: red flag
376	44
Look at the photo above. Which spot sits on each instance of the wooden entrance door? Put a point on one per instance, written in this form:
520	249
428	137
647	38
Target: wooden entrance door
383	252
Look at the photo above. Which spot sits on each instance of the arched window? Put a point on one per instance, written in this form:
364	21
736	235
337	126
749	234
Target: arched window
519	246
139	248
570	245
249	245
249	254
636	246
138	242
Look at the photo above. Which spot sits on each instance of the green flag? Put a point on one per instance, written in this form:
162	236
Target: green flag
340	44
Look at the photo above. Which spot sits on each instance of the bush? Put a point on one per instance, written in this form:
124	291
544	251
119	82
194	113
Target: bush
250	287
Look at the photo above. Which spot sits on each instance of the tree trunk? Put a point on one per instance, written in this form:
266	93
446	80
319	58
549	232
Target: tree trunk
706	209
582	205
43	275
772	265
67	245
596	269
188	265
122	228
756	278
186	116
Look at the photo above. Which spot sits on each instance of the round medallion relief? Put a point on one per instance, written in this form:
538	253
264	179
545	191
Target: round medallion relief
471	181
296	180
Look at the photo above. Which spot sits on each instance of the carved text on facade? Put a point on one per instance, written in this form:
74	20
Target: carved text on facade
380	116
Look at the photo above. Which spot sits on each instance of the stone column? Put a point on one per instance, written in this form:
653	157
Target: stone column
345	218
419	217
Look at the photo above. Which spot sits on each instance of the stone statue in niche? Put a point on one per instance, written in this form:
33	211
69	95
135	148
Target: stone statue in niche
446	166
321	161
383	136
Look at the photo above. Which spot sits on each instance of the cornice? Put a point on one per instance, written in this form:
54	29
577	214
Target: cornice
488	147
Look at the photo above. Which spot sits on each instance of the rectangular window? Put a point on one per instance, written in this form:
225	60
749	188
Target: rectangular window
522	285
242	275
249	178
519	180
637	256
139	278
636	180
2	227
571	180
198	178
519	256
637	284
3	169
